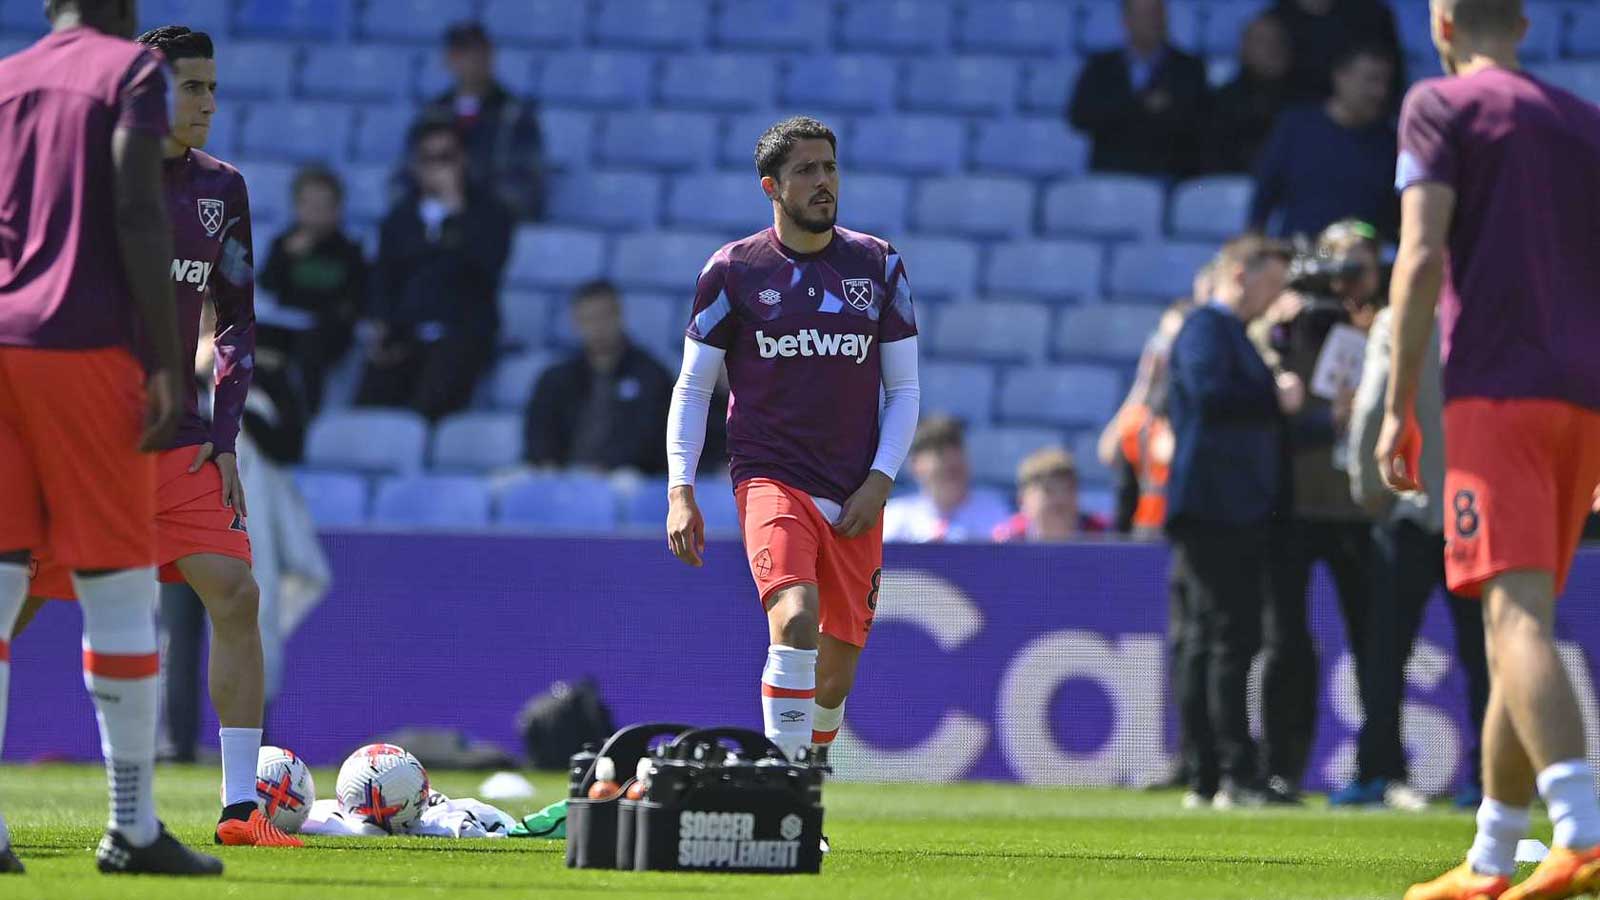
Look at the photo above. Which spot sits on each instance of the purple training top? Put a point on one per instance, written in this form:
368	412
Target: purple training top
1520	309
210	212
62	284
802	332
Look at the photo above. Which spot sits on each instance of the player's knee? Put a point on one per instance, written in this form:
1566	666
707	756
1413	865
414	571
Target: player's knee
236	607
833	688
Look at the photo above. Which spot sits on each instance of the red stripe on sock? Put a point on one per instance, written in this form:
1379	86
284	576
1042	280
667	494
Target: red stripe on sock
5	650
122	665
823	737
768	690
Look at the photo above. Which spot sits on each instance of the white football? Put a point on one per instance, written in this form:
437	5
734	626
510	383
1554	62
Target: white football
284	788
383	785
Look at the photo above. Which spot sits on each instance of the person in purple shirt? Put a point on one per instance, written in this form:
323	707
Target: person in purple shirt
201	537
812	320
1499	180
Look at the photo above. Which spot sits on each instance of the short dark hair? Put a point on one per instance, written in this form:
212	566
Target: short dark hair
1251	251
1494	17
427	127
317	175
179	42
938	432
466	34
1365	50
776	143
599	287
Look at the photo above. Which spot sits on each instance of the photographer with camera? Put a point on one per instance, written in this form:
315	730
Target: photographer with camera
1317	332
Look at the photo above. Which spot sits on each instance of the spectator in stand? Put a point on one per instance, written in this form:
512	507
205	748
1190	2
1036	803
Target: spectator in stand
501	131
604	407
1143	105
1333	160
1137	444
441	251
947	507
1244	110
1322	32
1047	492
318	278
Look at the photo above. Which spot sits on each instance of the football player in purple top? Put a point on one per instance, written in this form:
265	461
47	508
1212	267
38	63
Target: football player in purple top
813	321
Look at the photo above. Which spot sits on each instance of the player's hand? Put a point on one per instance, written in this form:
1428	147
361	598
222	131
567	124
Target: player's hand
1399	453
865	506
232	487
161	409
686	528
1291	393
1595	505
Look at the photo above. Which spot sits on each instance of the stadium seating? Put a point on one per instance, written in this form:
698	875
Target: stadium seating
671	141
514	68
1105	206
536	23
367	191
979	206
875	204
414	21
940	267
223	138
367	440
719	81
1107	330
334	499
525	318
1225	25
1158	271
432	501
1035	147
1581	78
997	331
841	84
1215	208
1010	27
774	24
1048	270
1081	395
995	452
963	390
302	131
477	442
209	16
651	24
255	70
1047	84
971	85
662	261
652	321
599	80
1085	447
719	201
568	136
304	20
269	186
1583	31
904	145
514	378
549	257
380	134
611	200
573	502
899	26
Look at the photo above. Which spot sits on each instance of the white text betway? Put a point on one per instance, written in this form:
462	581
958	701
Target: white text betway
712	840
191	271
811	342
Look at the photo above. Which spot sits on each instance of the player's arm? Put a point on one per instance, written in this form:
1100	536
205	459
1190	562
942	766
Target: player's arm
233	294
686	438
902	395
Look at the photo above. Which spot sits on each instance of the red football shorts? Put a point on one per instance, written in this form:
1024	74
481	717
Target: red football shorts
190	519
71	475
1520	478
788	542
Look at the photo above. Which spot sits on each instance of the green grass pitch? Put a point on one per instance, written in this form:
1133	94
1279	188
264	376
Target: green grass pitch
891	841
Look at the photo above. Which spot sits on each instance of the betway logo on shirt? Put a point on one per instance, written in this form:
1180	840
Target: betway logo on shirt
191	271
811	342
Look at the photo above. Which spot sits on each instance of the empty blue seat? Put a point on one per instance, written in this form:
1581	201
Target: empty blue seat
1047	85
1086	457
553	257
625	200
269	184
1546	23
841	83
201	15
306	20
1035	147
1225	26
369	440
655	322
1107	330
1583	31
1160	271
514	68
972	85
651	24
596	79
536	23
223	138
672	141
300	131
662	261
907	145
334	499
567	502
414	21
963	390
725	201
524	318
1084	395
975	206
432	501
997	451
256	70
898	26
1215	208
368	191
1581	78
1016	26
478	441
568	136
999	331
876	204
737	149
1106	206
1046	269
774	24
945	268
380	134
719	81
514	378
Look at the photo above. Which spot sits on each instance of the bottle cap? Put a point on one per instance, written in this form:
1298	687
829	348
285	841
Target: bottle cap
642	771
605	769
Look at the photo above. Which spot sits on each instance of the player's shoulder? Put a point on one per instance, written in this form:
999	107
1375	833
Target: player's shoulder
217	171
746	252
863	242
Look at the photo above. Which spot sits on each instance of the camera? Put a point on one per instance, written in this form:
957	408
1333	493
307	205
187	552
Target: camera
1314	273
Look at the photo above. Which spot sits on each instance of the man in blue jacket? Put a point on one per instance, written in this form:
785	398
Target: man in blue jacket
1226	408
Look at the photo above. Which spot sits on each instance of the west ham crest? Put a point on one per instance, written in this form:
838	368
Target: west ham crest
210	216
858	292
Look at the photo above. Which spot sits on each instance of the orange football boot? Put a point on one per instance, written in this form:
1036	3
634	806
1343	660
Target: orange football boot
1461	883
258	831
1564	873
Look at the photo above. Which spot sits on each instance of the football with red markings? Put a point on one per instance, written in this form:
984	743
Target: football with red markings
284	788
383	785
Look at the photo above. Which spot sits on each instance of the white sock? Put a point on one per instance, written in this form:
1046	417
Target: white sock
788	696
1568	790
825	724
120	664
1494	850
240	749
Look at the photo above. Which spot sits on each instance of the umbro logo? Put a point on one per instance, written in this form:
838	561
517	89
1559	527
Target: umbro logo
770	297
791	715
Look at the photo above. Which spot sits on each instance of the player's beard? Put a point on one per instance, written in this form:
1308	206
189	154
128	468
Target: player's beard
809	218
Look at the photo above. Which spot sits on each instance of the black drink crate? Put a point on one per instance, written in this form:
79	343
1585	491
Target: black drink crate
718	800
